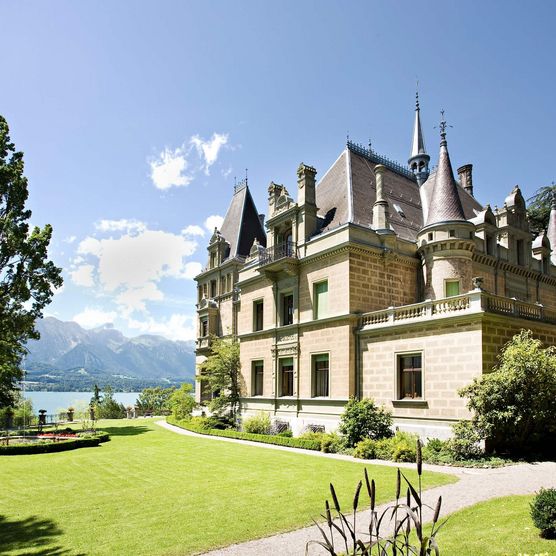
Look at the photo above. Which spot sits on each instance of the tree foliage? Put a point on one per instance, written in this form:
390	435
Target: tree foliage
514	406
364	419
27	277
539	207
181	402
155	400
220	373
109	408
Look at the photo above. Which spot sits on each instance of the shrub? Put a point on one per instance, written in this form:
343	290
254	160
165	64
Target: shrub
257	424
331	443
514	406
285	433
466	442
543	512
365	449
310	435
364	419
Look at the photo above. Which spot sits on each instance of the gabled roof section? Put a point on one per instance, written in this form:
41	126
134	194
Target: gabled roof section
347	192
445	204
242	224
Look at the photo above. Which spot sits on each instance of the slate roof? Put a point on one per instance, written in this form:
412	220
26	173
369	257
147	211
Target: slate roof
347	192
241	224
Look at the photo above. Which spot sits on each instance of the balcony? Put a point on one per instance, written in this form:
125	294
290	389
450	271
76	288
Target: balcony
203	343
473	302
279	258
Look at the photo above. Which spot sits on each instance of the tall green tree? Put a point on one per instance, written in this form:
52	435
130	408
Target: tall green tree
155	399
539	207
27	277
181	402
220	373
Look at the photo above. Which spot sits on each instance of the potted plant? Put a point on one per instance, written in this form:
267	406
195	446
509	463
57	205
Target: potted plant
71	411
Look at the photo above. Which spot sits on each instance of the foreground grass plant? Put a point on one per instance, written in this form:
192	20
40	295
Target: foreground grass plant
407	519
153	492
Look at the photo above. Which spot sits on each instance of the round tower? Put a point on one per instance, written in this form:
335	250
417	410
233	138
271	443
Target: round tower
446	241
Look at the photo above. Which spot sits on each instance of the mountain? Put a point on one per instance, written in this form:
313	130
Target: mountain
68	357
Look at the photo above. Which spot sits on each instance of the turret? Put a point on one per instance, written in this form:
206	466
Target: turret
446	242
551	231
418	159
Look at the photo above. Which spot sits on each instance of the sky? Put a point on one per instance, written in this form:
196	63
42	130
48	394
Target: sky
136	117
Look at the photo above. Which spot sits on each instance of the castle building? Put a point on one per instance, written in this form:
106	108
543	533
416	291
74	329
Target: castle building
381	280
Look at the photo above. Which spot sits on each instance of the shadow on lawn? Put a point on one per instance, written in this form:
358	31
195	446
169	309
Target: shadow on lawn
34	535
133	430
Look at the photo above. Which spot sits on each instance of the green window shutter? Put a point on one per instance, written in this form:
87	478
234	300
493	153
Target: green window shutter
452	288
321	300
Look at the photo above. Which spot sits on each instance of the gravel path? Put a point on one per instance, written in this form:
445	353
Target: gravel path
474	485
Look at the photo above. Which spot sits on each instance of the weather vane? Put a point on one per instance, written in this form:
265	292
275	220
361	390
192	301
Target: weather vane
443	125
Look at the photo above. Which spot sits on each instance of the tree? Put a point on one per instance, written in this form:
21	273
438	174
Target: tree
514	405
539	207
155	400
109	408
181	402
95	400
220	373
27	277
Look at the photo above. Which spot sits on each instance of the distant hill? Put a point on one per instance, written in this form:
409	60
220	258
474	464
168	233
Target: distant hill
70	358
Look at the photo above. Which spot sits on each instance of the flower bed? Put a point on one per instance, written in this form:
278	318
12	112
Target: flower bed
49	443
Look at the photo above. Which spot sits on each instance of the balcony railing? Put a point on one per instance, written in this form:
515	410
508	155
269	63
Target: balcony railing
203	342
287	249
473	302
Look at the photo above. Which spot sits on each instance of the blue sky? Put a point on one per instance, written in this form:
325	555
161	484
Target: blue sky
135	117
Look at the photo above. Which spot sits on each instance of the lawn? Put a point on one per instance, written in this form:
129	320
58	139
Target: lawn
499	527
152	491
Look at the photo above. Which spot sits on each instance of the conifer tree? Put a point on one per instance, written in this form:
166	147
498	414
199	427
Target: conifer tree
27	277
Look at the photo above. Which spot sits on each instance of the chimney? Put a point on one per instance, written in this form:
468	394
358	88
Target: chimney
306	184
261	220
380	208
466	178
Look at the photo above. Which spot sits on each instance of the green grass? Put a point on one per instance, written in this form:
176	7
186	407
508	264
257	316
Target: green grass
499	527
151	491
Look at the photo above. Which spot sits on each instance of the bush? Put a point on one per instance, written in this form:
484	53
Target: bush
331	443
466	442
514	406
365	449
257	424
180	401
543	512
285	433
364	419
279	440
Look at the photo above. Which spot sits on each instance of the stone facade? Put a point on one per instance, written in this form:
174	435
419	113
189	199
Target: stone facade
379	281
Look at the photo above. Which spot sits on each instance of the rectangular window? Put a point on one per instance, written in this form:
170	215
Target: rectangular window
321	375
213	288
204	328
320	297
258	308
212	260
257	378
287	309
286	377
452	288
410	377
520	248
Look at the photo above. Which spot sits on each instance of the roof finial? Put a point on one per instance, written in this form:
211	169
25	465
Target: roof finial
417	96
443	125
246	177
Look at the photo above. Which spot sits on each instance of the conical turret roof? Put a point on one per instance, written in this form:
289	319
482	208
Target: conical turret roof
551	230
445	204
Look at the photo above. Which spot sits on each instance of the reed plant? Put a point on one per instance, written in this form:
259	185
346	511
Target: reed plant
402	520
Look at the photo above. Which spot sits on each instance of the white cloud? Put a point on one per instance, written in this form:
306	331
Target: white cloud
83	275
90	318
193	230
130	266
70	239
168	169
133	299
214	221
208	150
176	327
122	225
192	269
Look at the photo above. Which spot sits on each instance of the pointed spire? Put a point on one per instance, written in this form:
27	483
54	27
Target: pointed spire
418	159
551	231
445	204
418	145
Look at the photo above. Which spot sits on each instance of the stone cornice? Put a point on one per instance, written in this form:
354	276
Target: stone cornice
493	262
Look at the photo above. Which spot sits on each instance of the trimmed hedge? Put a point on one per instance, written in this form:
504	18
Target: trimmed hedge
265	439
51	447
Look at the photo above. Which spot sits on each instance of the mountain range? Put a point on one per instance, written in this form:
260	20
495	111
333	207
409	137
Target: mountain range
70	358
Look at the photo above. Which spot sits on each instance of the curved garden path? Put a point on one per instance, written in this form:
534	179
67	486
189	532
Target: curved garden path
474	485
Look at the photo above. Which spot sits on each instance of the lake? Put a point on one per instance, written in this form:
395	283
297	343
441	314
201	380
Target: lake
52	401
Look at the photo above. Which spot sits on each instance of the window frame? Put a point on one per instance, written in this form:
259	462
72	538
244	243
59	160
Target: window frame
316	305
291	373
283	297
452	281
258	303
314	383
255	365
399	383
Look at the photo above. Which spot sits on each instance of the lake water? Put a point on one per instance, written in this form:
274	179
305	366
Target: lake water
52	401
